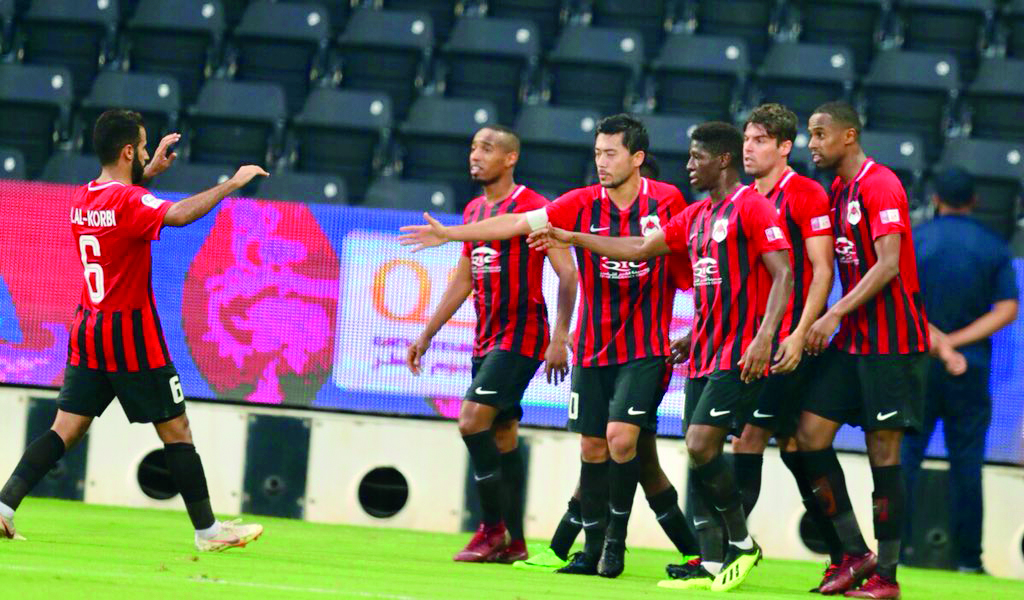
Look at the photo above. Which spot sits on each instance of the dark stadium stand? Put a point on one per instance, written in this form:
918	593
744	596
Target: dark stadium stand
325	87
70	167
12	164
303	187
412	195
998	170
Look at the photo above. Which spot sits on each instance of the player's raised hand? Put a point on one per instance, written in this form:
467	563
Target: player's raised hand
556	361
161	159
245	173
414	356
426	236
680	348
790	352
549	237
755	360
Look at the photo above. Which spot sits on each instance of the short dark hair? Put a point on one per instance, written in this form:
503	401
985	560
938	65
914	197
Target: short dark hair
507	131
778	121
954	186
842	113
650	168
115	129
634	133
721	138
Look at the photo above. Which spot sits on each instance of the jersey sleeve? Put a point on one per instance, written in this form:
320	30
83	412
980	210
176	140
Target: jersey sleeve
675	233
143	213
813	216
762	226
681	271
1005	285
563	212
885	205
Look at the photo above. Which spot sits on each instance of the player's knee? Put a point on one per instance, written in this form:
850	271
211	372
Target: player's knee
593	449
622	447
700	449
175	431
751	442
506	436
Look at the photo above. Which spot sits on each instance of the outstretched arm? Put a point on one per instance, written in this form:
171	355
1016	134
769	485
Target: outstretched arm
193	208
632	248
501	227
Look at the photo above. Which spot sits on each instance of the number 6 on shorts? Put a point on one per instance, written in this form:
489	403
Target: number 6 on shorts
176	392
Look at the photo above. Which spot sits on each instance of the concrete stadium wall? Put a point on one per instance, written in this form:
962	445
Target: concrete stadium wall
344	448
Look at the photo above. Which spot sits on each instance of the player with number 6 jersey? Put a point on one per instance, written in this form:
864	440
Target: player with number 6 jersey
116	346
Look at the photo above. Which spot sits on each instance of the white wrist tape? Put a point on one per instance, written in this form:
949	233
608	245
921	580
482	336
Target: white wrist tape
537	219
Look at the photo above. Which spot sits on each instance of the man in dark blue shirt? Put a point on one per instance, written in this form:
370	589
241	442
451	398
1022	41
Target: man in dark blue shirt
970	292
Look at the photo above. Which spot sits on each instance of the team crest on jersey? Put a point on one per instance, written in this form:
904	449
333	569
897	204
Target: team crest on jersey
846	251
853	212
649	225
485	260
720	230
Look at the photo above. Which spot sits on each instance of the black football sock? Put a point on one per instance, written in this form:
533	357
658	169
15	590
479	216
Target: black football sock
568	529
889	511
719	486
187	473
483	453
748	477
821	522
665	505
513	478
40	456
828	484
594	506
706	522
622	481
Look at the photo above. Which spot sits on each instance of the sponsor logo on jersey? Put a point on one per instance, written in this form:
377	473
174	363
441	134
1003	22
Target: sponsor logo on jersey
846	252
485	260
623	269
705	272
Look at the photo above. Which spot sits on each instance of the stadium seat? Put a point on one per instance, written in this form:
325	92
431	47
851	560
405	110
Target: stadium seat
75	34
912	91
35	109
154	96
700	75
418	196
558	146
337	10
546	14
12	164
670	144
71	168
302	187
956	26
751	20
998	170
233	11
996	100
491	59
1014	21
185	178
436	137
6	25
284	44
442	13
595	67
386	51
341	132
649	17
856	24
235	122
182	39
903	153
804	76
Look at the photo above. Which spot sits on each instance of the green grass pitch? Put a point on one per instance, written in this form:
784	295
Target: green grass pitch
76	550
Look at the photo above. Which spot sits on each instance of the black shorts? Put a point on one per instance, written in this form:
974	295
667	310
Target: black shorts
626	393
500	379
781	401
150	396
720	399
871	391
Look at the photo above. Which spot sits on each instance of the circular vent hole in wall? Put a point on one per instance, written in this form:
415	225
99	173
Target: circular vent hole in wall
383	492
155	478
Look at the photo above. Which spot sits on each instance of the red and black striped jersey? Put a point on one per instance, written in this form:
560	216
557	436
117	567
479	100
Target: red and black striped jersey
508	282
874	204
116	327
625	307
803	209
725	241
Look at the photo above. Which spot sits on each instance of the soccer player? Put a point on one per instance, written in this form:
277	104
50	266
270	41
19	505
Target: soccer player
873	373
620	373
505	279
117	346
803	208
742	281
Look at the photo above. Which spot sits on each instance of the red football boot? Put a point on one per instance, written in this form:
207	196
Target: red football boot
513	552
851	571
876	587
487	542
830	572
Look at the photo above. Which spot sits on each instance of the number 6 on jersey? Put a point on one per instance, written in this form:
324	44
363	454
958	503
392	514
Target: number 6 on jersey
96	290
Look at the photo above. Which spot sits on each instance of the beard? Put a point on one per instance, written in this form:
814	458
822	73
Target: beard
615	182
485	181
138	170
